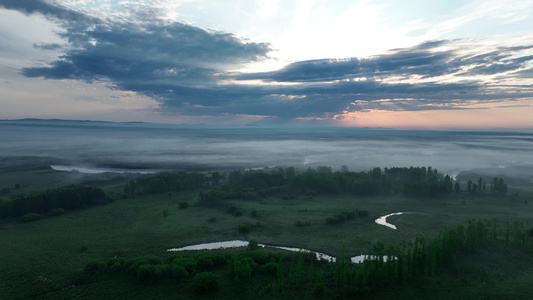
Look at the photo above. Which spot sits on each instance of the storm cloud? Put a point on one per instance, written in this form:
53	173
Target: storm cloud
190	70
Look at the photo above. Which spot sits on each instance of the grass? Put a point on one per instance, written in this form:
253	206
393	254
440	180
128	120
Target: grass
49	254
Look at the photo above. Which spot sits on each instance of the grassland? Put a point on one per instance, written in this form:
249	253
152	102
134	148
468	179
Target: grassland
45	259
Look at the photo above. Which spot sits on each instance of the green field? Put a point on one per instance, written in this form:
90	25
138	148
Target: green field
45	259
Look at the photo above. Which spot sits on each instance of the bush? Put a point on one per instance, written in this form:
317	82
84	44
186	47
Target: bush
206	281
183	204
178	271
332	220
271	268
245	227
30	217
93	266
363	213
243	268
302	224
56	212
254	214
234	211
204	262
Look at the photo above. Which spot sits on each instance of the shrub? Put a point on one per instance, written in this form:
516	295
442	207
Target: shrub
271	268
204	262
311	193
206	281
115	267
183	204
93	266
260	257
56	212
245	227
146	272
332	220
30	217
340	217
349	214
363	213
212	220
234	211
254	214
178	271
243	268
318	289
188	263
302	224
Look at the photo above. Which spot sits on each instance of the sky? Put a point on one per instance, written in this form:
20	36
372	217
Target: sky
371	63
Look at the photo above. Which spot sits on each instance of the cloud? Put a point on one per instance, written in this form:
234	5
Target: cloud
127	53
528	73
426	60
47	46
190	70
44	8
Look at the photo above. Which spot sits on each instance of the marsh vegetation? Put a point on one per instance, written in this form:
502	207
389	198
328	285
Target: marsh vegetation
70	234
116	233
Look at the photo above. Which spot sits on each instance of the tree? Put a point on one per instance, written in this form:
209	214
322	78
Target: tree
206	281
290	172
215	177
253	245
457	187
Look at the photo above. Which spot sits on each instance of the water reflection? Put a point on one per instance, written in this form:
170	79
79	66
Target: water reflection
383	220
238	243
89	170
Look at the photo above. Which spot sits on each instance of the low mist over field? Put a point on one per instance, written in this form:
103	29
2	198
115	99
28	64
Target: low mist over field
387	143
79	144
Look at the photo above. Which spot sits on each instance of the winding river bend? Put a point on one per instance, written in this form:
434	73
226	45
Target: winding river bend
383	220
239	243
319	256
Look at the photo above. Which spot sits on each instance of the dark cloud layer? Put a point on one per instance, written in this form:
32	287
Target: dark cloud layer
187	69
44	8
424	60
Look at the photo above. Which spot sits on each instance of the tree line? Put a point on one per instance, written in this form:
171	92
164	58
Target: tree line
42	202
288	182
164	182
412	182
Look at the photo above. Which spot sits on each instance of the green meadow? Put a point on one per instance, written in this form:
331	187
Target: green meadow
46	258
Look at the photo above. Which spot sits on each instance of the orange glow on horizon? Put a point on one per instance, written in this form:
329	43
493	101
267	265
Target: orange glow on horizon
498	117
